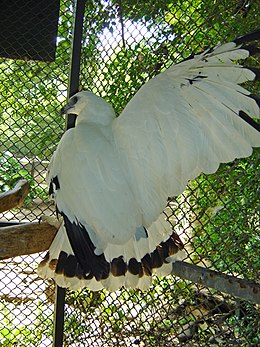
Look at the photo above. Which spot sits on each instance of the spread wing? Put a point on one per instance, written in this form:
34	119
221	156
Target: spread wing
185	121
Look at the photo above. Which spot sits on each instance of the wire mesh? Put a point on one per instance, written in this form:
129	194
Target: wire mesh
125	43
31	95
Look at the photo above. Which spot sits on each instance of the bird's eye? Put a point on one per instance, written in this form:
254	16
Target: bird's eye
74	100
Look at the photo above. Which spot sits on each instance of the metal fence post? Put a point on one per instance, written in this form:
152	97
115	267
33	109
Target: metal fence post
70	122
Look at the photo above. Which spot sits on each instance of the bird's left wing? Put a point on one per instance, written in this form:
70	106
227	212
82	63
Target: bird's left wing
185	121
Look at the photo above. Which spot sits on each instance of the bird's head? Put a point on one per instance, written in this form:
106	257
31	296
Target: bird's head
89	108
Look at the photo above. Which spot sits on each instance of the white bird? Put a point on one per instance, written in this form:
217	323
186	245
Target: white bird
111	177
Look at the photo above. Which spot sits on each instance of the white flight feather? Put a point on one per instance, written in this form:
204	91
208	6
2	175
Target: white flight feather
117	173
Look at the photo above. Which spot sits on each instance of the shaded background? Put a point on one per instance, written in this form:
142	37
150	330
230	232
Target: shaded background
125	43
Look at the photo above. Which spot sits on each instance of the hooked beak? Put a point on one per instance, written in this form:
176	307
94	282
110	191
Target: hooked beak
70	105
65	109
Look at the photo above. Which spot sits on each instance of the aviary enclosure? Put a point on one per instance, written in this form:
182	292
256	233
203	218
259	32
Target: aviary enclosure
112	48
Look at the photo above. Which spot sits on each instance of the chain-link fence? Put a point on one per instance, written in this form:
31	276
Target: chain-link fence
124	44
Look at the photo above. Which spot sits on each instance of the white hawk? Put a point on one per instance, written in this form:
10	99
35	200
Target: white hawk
111	177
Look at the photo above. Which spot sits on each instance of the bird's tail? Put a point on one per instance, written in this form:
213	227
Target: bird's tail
130	265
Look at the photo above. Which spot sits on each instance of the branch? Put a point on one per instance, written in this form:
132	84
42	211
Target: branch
14	197
25	239
31	238
244	289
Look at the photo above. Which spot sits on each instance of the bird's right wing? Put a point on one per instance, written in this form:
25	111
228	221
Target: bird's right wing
185	121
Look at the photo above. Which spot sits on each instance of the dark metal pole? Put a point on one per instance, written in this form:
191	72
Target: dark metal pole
75	57
59	316
70	122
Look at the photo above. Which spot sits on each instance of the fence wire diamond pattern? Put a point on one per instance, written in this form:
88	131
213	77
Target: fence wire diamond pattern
125	43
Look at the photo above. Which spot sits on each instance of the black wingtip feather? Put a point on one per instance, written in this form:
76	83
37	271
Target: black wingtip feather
249	120
252	49
253	36
256	98
256	71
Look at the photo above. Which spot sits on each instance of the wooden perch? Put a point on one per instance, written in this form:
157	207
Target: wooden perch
23	239
243	289
31	238
14	197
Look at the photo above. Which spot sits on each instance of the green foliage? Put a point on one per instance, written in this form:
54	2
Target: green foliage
29	108
11	171
225	207
157	316
31	94
22	335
